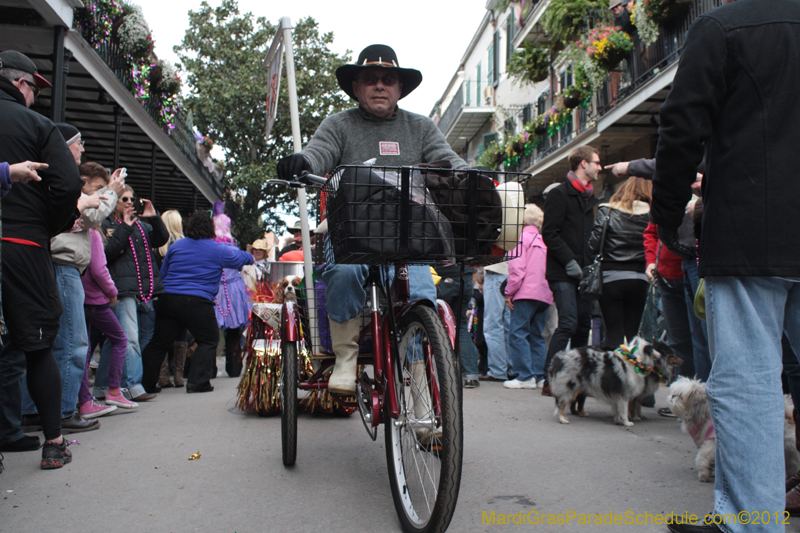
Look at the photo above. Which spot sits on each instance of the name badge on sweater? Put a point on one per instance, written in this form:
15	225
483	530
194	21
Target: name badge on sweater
389	148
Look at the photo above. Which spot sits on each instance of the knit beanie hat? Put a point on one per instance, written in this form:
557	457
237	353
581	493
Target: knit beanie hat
69	132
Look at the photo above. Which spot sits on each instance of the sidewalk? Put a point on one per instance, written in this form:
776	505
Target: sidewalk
133	475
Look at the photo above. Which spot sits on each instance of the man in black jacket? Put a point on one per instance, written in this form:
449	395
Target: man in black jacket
734	98
568	222
32	214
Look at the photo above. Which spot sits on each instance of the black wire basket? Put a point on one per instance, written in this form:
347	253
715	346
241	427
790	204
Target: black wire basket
421	215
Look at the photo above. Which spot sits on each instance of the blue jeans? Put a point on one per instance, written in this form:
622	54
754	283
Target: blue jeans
496	324
71	343
746	318
526	342
699	329
679	334
574	320
12	370
345	295
128	316
469	352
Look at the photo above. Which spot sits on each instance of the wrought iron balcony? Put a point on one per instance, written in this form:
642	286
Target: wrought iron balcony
464	117
121	64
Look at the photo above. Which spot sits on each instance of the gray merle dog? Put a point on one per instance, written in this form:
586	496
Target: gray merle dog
618	377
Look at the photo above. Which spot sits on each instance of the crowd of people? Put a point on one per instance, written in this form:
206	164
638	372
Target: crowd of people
726	130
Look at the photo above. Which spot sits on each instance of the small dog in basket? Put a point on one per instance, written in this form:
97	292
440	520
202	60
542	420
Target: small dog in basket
616	377
286	291
689	402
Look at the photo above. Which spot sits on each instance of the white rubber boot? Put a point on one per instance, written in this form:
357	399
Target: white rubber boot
423	405
344	337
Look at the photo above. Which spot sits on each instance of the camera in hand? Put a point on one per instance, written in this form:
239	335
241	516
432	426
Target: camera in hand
138	206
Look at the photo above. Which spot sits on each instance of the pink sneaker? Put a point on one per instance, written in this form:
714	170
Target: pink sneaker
93	409
119	400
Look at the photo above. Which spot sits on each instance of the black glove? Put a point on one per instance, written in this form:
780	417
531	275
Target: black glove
670	239
291	166
574	270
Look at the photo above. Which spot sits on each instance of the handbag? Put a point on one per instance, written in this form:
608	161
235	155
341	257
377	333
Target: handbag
591	286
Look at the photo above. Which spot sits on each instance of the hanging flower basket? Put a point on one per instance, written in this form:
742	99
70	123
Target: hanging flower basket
662	11
133	34
531	64
571	102
492	156
607	46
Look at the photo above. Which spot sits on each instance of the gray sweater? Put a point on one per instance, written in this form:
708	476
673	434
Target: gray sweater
354	136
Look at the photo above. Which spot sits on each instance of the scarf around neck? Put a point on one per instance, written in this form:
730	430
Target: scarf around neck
586	191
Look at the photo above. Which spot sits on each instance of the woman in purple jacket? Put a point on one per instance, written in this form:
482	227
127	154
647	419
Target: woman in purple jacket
528	296
191	273
101	294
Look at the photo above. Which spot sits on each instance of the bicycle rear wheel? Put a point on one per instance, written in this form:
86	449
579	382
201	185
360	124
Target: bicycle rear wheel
424	445
289	404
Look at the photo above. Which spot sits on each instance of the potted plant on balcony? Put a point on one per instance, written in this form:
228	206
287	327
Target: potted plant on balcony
607	46
531	64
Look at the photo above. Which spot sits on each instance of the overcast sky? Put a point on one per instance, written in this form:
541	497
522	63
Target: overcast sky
429	35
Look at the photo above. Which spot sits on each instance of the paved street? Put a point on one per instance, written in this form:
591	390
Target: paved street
133	475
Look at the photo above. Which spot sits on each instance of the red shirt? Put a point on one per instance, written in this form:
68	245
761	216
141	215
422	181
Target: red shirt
669	264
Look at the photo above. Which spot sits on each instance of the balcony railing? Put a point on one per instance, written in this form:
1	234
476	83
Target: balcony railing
120	64
452	111
476	98
646	62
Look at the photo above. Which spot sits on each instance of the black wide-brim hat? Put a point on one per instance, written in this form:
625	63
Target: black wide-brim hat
378	56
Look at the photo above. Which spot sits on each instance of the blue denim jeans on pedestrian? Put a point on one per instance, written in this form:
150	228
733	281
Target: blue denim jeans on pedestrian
574	319
746	318
71	343
128	315
699	329
496	324
12	371
679	334
526	341
448	291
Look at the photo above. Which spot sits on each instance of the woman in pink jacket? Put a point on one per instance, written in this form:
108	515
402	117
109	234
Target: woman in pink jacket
528	296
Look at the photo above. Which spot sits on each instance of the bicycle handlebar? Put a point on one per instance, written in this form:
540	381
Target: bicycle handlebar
304	180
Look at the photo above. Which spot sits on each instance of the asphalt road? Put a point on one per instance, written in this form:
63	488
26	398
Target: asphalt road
133	475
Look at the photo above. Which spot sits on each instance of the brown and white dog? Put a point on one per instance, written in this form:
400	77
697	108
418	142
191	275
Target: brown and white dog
616	377
286	290
689	402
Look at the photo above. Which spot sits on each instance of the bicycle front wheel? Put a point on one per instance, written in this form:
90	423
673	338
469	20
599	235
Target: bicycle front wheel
424	445
289	402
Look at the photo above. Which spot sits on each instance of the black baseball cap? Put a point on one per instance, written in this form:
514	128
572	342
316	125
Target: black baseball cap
19	61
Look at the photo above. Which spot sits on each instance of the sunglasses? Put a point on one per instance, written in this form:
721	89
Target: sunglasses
35	88
130	199
389	80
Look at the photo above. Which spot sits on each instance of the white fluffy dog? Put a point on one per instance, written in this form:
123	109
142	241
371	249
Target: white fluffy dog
689	402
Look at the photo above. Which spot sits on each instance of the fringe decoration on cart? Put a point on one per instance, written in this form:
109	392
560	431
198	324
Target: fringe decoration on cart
259	386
